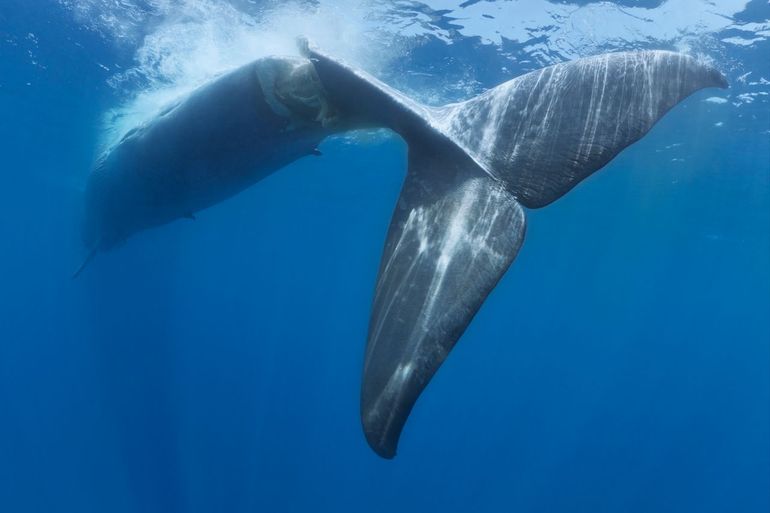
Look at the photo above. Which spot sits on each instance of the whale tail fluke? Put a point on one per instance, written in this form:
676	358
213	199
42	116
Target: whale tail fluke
544	132
453	234
459	223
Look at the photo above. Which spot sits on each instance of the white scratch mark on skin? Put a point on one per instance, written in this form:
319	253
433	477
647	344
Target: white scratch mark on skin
455	227
393	388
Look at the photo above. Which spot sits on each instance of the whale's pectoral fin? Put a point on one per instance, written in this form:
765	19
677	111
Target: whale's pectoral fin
454	233
84	264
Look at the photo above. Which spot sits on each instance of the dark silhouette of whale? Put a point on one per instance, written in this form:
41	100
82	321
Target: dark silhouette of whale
459	221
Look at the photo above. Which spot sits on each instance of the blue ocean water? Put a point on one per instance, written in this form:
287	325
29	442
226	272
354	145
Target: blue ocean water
622	364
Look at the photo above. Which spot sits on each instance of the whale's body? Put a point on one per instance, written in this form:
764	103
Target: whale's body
219	140
459	221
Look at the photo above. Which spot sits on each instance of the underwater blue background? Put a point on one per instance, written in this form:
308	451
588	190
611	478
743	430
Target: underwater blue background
622	364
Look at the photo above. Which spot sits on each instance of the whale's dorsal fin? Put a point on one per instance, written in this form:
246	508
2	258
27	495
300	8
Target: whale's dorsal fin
453	234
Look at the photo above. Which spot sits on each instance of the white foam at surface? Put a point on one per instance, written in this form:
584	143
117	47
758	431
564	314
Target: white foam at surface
740	41
180	44
192	41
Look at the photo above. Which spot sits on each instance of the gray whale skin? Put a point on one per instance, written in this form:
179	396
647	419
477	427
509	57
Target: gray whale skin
459	221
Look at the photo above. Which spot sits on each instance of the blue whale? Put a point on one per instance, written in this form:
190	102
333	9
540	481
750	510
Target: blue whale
459	222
